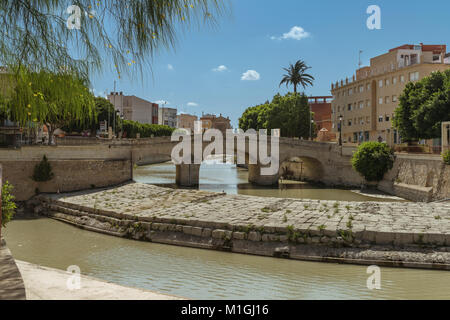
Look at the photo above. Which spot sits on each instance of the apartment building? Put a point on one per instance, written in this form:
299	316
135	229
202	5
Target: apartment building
366	102
168	117
134	108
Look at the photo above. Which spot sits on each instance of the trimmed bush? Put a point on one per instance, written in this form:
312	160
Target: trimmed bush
373	160
8	204
43	171
446	157
132	128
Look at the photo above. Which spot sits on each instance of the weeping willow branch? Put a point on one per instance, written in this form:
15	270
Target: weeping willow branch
125	34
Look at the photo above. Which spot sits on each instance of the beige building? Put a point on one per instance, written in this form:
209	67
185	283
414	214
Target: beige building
168	117
367	102
134	108
186	121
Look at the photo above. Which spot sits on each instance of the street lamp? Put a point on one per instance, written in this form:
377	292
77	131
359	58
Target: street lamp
340	129
310	129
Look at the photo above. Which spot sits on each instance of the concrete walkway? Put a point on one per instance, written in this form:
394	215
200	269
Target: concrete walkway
44	283
11	284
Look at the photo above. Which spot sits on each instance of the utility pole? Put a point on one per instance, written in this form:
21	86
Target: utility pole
114	114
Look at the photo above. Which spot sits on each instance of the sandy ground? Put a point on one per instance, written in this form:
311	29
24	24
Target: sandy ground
42	283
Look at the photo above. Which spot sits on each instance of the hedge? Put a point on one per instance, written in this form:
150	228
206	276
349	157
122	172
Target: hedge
132	128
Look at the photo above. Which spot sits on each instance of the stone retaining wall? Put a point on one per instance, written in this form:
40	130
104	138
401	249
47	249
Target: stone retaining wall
69	175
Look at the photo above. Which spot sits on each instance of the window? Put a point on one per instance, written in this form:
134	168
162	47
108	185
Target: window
394	80
361	104
387	118
368	103
394	98
350	107
380	83
368	87
380	119
414	76
350	92
361	88
367	120
380	101
350	122
402	78
387	82
387	100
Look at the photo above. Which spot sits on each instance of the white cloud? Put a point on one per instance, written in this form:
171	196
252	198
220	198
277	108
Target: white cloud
221	68
170	67
250	75
192	104
296	33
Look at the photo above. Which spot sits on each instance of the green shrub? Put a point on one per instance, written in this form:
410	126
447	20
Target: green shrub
446	157
373	160
43	171
8	204
132	128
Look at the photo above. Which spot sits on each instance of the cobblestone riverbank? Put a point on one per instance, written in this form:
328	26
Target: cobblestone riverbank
392	234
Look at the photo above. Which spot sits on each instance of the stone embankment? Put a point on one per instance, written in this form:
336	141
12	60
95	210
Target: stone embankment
392	234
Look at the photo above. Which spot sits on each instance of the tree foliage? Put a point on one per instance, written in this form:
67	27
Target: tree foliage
103	111
296	75
290	113
372	160
8	205
43	171
53	99
423	106
36	34
446	157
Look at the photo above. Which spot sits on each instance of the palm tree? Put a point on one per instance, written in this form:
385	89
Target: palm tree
296	75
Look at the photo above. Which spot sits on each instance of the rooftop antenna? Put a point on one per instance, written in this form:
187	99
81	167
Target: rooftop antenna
359	59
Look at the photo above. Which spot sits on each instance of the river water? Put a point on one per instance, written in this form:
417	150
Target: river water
232	180
204	274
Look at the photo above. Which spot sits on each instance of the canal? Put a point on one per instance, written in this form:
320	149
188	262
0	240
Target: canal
204	274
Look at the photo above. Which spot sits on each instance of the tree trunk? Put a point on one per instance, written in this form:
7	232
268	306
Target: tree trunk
51	130
295	88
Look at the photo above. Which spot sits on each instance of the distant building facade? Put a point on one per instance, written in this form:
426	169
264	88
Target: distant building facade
321	107
134	108
186	121
168	117
210	121
367	102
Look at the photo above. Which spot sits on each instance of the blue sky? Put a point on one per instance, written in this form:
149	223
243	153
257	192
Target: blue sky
251	38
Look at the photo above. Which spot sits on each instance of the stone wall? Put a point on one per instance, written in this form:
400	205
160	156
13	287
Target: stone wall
69	175
418	178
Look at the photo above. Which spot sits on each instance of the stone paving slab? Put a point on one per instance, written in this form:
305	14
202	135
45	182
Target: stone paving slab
380	222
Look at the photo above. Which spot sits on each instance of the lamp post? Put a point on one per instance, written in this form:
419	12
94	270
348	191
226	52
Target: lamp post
340	129
310	129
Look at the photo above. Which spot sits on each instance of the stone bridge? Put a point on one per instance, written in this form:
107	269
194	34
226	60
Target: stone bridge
321	162
80	164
